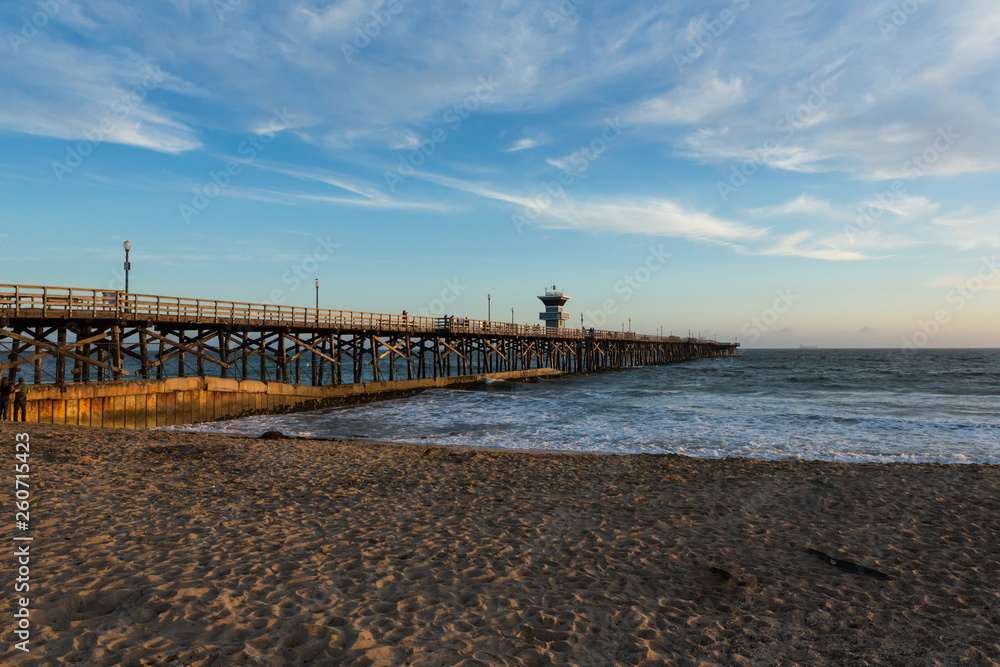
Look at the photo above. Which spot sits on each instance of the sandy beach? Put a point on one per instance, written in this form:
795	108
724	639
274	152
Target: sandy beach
155	548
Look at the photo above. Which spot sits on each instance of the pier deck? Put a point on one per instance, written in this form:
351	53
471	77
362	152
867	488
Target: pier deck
60	335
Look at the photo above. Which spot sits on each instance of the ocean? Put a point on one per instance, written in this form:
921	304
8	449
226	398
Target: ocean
833	405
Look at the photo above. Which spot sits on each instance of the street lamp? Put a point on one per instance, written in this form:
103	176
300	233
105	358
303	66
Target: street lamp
488	298
512	317
128	246
317	301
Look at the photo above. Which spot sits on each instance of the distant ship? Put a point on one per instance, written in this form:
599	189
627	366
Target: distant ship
808	347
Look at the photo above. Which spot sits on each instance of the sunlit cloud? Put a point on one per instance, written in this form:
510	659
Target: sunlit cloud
804	205
627	215
689	103
802	244
524	144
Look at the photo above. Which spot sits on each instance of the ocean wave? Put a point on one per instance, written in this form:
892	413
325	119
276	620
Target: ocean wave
681	409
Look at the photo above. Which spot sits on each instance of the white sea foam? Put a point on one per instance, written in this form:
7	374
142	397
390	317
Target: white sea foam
675	409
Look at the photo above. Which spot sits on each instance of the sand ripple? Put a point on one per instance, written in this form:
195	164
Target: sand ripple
158	548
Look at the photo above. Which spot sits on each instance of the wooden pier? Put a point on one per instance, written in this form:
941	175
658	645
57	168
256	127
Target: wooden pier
94	335
58	335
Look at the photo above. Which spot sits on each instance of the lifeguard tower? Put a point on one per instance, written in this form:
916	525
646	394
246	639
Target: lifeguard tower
554	301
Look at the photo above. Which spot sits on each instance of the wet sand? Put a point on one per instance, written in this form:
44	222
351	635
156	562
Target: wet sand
167	548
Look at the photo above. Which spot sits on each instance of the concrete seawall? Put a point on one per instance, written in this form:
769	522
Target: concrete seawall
141	404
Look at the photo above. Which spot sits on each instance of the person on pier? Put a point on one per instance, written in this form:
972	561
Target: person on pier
21	399
6	389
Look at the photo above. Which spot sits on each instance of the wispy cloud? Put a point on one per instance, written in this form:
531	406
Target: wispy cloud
886	99
288	197
906	206
485	191
63	91
666	218
689	103
801	244
341	181
652	217
891	94
383	203
626	215
524	144
830	98
968	229
804	205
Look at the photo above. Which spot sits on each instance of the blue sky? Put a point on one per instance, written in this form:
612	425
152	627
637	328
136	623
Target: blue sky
785	172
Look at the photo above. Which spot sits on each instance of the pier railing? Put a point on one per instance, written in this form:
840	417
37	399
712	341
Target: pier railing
72	302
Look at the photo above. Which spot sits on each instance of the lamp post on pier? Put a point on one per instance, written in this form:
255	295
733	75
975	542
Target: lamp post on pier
489	297
511	317
128	246
317	301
